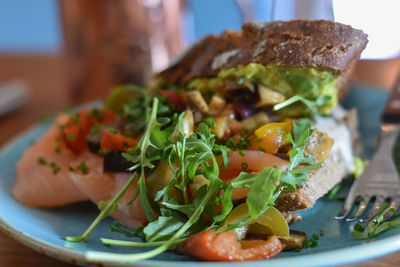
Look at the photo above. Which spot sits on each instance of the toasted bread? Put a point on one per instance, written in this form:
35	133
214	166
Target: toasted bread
320	44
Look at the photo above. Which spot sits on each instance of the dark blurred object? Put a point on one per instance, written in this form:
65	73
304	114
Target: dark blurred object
112	42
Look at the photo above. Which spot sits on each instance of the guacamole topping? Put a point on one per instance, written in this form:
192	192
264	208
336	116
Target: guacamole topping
307	82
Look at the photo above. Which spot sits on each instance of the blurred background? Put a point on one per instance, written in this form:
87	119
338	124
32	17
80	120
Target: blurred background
59	53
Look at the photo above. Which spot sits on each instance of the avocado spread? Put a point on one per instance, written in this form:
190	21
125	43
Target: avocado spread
307	82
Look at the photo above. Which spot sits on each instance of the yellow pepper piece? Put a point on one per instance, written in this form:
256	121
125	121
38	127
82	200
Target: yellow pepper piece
270	222
272	136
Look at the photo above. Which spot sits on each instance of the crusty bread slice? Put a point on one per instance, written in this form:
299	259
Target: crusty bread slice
319	183
321	44
324	179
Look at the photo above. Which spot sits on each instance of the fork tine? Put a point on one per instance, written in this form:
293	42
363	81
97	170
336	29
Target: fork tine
346	209
378	202
394	203
363	203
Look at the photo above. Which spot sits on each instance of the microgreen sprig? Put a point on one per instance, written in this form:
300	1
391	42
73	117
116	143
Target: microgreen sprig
378	224
312	105
107	208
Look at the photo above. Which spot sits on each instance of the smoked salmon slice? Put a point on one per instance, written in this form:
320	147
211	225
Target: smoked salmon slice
43	178
101	186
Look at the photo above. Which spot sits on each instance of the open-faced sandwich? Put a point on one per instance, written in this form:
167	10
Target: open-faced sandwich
215	154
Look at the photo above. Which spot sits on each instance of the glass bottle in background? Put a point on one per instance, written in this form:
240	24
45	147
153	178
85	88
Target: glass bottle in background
116	42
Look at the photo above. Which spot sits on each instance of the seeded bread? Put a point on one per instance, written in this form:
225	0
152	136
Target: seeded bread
320	44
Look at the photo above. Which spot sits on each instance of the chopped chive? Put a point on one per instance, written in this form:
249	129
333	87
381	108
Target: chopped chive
57	149
75	119
244	166
310	243
242	153
95	129
96	113
112	130
70	137
55	168
41	161
83	168
262	149
315	236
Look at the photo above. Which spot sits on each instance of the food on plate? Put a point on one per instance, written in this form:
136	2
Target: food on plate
42	172
217	152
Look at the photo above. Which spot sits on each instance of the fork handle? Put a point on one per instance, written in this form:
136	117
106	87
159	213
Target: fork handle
391	112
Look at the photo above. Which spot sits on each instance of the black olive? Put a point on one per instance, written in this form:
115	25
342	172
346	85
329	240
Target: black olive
115	162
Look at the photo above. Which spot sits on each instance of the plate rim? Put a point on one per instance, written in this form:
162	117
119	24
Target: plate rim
373	248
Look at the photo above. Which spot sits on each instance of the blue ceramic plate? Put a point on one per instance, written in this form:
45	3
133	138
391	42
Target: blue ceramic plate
44	229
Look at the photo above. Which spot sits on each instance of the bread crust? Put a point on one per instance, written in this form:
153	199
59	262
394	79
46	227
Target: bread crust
320	44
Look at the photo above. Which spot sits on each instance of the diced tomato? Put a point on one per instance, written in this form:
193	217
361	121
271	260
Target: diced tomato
116	141
74	132
172	97
224	247
228	174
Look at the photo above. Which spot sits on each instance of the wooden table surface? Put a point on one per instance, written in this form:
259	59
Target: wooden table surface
45	77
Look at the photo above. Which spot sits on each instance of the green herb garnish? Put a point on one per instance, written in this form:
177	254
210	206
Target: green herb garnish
310	243
244	166
70	137
41	161
261	149
54	167
83	168
190	156
117	227
57	149
312	105
378	224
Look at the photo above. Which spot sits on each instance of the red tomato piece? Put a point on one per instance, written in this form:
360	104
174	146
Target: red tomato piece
225	247
116	141
74	132
172	97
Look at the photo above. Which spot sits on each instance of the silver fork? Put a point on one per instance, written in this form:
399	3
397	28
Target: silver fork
380	182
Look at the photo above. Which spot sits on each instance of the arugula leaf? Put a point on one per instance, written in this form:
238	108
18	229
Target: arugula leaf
116	226
333	193
312	105
262	191
162	228
301	134
195	154
138	156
